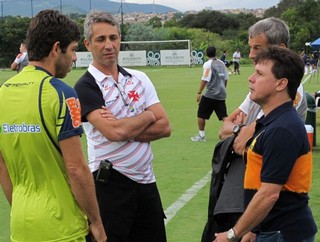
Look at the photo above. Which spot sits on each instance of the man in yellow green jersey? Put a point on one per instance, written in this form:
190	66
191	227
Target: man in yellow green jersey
43	172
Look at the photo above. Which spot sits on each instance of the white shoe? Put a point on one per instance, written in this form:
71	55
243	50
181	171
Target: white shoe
198	138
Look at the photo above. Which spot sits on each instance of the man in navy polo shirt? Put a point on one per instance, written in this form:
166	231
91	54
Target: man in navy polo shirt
279	160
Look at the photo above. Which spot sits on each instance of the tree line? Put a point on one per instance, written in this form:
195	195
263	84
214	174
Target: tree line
207	27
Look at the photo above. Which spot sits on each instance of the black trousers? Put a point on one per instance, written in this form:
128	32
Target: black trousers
130	211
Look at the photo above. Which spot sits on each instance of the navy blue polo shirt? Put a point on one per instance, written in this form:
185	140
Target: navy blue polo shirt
280	154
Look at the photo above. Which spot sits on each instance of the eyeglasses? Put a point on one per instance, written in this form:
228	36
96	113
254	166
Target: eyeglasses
123	94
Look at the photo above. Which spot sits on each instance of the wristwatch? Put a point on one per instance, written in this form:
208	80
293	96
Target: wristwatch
236	129
231	236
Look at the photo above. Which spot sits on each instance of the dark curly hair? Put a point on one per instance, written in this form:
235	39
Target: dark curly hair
47	28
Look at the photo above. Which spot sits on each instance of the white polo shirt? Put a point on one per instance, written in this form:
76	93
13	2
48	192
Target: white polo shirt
129	98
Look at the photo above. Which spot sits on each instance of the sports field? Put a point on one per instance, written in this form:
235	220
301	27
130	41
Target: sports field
182	166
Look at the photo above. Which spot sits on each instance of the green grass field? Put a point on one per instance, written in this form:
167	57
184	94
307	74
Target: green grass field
179	163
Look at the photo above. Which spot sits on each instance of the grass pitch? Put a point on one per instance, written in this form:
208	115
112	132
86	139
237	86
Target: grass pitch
179	163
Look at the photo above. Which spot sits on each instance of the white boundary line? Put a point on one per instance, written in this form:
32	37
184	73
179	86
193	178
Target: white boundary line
172	210
304	80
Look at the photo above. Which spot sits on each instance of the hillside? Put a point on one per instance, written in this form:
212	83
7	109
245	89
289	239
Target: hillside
31	8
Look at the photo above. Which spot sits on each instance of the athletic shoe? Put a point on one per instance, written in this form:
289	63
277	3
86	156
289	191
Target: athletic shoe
198	138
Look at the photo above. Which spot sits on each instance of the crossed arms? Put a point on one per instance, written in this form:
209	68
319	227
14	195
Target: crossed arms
152	124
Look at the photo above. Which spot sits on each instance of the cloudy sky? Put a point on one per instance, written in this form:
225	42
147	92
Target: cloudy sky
185	5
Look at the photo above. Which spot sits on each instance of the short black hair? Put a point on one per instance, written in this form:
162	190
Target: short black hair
211	51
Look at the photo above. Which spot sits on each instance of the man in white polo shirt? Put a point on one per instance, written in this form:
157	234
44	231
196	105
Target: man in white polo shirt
119	136
266	32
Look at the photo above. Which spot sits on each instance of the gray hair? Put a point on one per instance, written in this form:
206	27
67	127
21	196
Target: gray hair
276	31
95	16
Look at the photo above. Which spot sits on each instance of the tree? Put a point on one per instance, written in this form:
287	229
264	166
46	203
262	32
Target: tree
13	32
303	23
140	31
276	11
155	22
212	21
244	20
173	22
79	19
200	38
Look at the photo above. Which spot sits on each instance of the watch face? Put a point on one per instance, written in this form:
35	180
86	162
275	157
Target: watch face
231	235
236	129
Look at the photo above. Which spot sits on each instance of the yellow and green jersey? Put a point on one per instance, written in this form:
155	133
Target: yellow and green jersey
37	111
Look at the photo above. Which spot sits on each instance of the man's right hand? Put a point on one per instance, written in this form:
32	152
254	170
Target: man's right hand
198	98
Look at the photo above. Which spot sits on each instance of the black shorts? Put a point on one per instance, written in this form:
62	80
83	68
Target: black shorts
130	211
227	64
208	105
